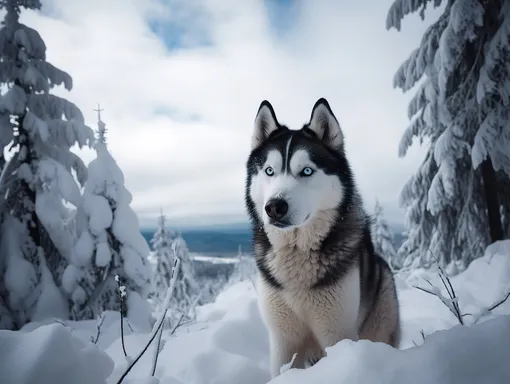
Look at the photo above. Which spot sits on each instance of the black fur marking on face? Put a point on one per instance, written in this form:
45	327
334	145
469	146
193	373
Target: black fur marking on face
340	257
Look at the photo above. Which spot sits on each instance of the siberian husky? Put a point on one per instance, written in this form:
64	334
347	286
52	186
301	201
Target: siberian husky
320	280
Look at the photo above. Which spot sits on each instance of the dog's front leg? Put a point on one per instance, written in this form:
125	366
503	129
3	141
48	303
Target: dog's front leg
335	311
282	349
287	333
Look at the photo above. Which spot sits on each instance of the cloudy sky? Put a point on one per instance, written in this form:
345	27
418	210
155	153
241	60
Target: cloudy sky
180	82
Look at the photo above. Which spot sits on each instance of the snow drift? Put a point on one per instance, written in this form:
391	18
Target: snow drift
228	343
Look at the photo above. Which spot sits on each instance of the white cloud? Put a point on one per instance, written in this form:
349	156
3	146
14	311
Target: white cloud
180	120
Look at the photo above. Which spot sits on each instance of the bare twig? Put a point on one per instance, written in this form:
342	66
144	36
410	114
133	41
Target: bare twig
445	301
159	324
451	292
129	325
61	323
179	323
100	321
156	352
497	304
452	303
122	293
488	311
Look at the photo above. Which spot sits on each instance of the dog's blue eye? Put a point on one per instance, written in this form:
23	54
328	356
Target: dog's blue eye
307	171
269	171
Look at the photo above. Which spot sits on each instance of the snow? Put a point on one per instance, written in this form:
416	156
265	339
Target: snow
103	254
228	342
125	226
99	211
20	276
26	357
83	249
51	301
346	362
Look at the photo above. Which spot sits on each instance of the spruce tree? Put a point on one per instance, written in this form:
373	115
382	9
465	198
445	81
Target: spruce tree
109	241
457	203
40	129
382	237
162	260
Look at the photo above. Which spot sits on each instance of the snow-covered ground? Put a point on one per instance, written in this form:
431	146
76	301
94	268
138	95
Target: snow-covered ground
228	343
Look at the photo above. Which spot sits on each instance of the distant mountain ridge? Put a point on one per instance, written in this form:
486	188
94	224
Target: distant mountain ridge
224	240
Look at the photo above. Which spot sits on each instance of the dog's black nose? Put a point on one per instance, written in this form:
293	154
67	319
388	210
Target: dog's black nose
276	208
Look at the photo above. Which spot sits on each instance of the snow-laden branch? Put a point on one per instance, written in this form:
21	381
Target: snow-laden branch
452	302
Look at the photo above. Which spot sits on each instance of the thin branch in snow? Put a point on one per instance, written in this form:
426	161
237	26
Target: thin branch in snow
60	322
422	333
100	321
177	325
447	302
156	352
488	311
451	292
159	324
190	308
122	293
452	302
129	325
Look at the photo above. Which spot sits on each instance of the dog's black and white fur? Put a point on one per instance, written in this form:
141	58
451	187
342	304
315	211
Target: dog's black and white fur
320	280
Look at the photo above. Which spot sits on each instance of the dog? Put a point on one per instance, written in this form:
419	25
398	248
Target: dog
319	278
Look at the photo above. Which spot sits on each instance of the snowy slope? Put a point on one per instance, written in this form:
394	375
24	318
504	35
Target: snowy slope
228	344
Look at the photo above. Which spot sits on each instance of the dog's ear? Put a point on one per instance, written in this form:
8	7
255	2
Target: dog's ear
265	124
325	125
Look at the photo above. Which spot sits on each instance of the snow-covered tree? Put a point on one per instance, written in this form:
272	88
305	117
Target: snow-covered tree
109	241
382	236
457	202
162	260
41	128
186	287
245	267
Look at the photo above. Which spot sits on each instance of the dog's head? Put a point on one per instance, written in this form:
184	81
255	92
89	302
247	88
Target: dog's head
293	176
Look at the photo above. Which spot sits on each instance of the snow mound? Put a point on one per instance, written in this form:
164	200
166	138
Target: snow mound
460	355
51	354
228	344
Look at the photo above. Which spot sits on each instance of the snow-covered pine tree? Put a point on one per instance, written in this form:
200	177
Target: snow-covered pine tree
42	128
456	203
162	260
109	241
244	269
186	287
382	236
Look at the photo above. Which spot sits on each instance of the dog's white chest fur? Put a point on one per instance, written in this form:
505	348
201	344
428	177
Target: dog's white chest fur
295	269
295	260
306	320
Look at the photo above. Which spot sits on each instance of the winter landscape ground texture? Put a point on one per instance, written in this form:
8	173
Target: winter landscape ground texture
84	297
228	342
